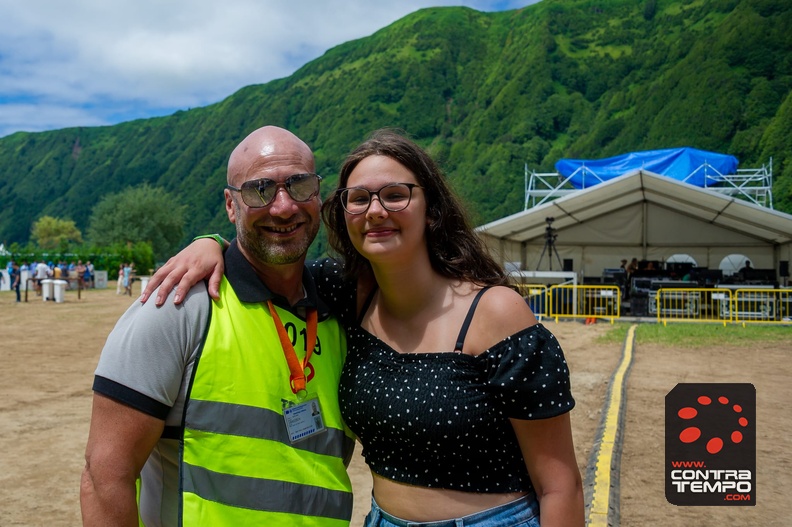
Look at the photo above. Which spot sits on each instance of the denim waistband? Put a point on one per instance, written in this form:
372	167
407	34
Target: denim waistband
527	506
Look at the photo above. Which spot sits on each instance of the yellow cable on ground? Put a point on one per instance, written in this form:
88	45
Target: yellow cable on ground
602	512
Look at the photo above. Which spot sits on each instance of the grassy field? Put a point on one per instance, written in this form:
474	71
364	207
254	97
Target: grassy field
691	336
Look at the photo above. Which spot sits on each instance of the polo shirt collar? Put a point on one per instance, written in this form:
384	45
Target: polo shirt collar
250	288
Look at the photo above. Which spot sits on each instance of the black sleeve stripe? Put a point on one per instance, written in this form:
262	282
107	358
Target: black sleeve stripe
130	397
172	432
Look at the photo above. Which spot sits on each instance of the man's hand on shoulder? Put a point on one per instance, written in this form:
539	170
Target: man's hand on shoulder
203	258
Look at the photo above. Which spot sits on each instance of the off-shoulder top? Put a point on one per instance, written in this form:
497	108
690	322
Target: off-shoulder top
442	419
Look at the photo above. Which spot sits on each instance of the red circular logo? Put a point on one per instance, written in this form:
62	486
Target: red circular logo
694	432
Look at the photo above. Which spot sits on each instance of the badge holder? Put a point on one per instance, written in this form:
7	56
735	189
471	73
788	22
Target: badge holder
303	418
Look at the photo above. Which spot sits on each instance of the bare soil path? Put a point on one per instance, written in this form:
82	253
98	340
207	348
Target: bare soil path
48	353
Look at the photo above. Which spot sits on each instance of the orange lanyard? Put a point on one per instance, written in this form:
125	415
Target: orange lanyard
297	379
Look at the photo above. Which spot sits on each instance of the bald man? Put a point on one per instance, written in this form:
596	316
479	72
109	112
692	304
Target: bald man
225	412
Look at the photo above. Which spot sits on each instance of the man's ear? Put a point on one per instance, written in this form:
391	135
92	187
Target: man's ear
230	206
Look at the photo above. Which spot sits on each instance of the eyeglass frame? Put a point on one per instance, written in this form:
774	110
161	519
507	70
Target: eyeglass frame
286	185
372	193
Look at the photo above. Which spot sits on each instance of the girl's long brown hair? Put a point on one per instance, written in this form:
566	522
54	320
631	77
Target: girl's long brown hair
455	250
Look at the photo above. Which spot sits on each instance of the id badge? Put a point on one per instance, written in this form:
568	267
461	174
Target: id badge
303	419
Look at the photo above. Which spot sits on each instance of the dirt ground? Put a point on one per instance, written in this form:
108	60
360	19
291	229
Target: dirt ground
48	353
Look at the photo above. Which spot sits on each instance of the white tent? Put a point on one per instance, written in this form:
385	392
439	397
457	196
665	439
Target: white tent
640	215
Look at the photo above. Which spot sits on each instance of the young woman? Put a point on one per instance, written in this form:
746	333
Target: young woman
120	282
459	397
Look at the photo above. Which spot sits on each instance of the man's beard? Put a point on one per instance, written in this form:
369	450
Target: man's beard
271	252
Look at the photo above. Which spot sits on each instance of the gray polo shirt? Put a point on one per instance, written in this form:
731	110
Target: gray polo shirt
146	363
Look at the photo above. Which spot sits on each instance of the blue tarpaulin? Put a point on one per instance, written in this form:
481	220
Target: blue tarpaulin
697	167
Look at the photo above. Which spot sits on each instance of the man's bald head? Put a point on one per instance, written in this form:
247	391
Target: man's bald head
267	150
277	233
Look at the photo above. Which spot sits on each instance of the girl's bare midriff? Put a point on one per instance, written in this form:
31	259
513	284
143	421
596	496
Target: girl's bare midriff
424	504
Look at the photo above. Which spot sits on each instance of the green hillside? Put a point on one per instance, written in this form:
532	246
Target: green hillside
485	92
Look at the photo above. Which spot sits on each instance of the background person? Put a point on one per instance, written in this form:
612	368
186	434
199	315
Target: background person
120	281
15	279
88	275
489	437
203	400
42	273
128	273
632	267
79	271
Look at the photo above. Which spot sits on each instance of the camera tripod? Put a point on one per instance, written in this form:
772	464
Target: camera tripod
549	246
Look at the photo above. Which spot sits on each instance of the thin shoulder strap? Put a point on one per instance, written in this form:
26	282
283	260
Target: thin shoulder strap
465	325
366	305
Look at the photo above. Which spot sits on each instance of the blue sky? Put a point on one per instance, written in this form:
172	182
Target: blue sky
93	63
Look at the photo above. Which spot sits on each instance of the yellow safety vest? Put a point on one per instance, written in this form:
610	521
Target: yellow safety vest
238	466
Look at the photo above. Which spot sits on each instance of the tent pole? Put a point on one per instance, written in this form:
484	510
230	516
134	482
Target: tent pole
644	228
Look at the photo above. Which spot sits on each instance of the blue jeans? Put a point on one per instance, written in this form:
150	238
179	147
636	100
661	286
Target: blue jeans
523	512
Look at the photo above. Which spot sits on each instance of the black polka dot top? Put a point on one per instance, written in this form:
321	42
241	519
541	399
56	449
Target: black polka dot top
442	419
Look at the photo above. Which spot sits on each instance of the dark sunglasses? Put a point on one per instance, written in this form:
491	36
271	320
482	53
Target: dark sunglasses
259	193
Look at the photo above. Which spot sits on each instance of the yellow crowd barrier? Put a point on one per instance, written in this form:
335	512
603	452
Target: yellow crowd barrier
710	305
591	302
761	305
690	305
722	305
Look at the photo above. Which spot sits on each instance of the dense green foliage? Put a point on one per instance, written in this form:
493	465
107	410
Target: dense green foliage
487	93
138	214
54	233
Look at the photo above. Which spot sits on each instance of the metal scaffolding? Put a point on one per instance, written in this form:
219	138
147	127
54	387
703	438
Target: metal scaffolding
751	184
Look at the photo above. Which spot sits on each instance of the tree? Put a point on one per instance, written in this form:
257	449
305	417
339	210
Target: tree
650	9
139	214
55	233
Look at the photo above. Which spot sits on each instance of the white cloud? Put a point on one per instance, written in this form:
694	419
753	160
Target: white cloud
91	62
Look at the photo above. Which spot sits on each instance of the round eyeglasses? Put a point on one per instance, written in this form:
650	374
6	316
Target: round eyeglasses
258	193
393	197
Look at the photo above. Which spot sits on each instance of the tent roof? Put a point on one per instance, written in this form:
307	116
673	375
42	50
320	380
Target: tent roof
641	186
697	167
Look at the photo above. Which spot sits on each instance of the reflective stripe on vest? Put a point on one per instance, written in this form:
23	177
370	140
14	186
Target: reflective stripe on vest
238	466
